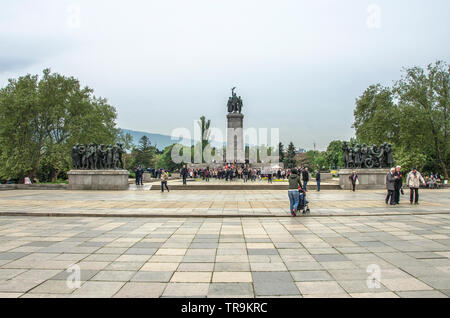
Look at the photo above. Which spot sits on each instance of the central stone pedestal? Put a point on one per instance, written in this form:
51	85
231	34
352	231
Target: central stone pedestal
98	179
235	138
368	178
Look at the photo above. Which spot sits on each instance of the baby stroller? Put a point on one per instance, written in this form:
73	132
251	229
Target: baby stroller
303	203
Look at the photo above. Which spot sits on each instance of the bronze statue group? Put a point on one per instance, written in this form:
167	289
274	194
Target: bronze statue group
97	157
363	156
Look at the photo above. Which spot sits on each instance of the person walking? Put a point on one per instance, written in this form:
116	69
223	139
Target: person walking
245	174
318	180
305	177
353	180
164	179
398	183
294	195
184	174
141	175
414	180
390	185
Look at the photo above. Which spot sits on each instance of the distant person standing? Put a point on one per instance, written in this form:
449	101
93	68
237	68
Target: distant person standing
318	180
390	185
184	173
269	175
414	180
141	175
398	184
164	179
353	180
136	172
245	174
305	177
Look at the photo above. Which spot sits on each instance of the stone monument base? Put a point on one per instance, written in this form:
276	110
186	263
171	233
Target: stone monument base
98	179
368	178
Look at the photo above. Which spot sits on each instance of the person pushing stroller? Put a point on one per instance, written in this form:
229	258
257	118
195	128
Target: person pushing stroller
297	197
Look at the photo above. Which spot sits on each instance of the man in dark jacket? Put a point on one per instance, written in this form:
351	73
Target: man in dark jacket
398	175
305	177
390	185
318	180
184	173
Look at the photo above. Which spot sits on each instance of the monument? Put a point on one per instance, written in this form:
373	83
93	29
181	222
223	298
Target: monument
370	163
98	167
235	134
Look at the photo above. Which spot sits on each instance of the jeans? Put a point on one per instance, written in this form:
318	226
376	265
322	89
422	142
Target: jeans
184	180
305	183
294	198
164	184
141	180
318	185
414	195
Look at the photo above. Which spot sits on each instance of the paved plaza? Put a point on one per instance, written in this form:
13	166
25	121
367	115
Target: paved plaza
348	238
238	203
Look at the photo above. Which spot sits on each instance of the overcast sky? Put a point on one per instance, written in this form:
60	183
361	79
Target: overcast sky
298	65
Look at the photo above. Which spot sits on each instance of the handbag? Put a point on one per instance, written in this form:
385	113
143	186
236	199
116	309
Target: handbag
357	182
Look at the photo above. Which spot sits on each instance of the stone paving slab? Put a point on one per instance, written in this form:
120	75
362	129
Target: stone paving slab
226	257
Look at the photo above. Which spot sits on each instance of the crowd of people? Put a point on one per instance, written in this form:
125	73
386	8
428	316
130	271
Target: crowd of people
232	172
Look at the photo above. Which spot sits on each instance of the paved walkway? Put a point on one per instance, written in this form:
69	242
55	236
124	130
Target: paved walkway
240	203
221	257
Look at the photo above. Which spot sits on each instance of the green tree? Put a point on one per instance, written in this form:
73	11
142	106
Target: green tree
42	119
289	161
281	151
204	127
376	116
165	160
333	155
143	154
426	92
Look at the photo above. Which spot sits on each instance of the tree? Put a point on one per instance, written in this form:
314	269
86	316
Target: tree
42	119
143	154
204	127
289	161
165	160
376	116
413	116
427	93
333	155
281	151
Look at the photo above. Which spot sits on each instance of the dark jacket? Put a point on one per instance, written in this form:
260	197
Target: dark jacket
184	172
294	181
390	181
399	180
318	176
305	175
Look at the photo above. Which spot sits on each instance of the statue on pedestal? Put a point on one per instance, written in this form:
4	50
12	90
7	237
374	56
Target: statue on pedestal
234	104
